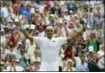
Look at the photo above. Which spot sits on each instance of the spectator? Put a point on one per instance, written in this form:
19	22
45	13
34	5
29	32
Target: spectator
92	65
98	32
31	49
100	53
83	67
68	52
93	43
18	67
23	59
36	65
7	9
99	19
25	11
12	66
69	66
94	58
101	63
15	7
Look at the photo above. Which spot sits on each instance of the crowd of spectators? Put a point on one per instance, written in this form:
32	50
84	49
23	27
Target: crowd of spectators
85	53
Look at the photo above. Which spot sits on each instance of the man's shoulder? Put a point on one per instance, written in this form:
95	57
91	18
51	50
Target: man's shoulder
59	37
40	38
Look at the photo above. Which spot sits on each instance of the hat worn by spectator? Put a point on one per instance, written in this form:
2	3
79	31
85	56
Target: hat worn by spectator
36	60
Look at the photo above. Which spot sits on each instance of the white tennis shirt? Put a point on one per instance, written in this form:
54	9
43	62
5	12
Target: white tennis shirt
50	48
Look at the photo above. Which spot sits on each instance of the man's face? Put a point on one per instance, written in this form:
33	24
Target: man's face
49	32
37	64
94	56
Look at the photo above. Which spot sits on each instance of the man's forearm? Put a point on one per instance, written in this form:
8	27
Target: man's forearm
27	35
75	36
18	35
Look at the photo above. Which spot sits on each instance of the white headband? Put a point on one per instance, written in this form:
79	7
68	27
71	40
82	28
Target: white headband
50	27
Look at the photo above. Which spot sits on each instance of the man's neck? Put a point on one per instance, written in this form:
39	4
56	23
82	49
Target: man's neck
49	38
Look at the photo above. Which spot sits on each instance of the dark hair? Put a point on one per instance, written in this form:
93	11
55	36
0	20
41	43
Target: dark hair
82	52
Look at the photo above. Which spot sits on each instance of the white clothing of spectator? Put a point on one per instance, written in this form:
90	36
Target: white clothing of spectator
5	10
27	43
14	69
10	52
101	63
41	8
31	49
18	67
67	17
101	52
77	61
63	30
51	4
32	10
3	41
27	3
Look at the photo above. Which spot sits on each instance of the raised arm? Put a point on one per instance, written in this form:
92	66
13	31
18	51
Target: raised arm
17	35
75	36
27	35
21	24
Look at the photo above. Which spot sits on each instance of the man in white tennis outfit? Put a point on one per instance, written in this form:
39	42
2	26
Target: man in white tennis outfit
49	48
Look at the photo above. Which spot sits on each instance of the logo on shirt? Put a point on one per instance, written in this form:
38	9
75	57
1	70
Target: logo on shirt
53	40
